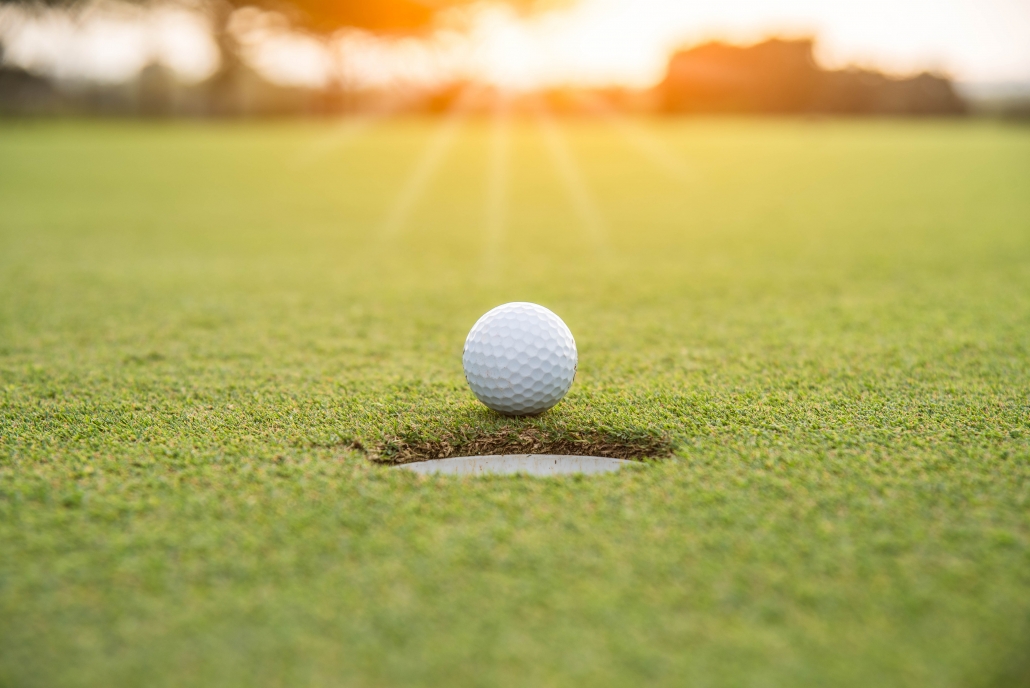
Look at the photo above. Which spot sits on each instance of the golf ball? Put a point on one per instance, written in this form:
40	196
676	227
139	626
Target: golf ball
520	359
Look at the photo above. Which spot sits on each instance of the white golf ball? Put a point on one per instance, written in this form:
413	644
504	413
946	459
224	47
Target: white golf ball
520	359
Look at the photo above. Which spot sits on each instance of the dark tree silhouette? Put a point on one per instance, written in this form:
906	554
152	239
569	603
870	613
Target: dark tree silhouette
780	76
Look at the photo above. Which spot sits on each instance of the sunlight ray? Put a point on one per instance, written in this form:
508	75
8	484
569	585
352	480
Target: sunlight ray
348	129
575	185
646	143
426	166
497	187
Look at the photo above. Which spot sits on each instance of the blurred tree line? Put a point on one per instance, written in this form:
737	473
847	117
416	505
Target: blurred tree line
235	88
779	76
774	76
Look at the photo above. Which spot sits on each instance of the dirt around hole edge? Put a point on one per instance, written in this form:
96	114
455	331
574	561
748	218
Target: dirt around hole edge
400	450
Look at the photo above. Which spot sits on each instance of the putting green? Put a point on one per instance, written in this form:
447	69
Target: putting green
207	330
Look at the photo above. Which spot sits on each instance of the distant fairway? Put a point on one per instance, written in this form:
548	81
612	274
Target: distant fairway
206	330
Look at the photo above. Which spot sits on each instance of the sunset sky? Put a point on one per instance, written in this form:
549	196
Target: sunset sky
595	41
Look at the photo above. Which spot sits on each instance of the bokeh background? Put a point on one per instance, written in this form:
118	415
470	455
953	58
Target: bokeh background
207	58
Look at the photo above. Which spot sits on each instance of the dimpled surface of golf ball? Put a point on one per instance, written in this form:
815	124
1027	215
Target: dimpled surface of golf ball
520	359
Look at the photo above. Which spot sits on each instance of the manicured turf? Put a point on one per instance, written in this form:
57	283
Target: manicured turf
206	330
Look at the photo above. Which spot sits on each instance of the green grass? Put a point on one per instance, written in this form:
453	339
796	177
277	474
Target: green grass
202	324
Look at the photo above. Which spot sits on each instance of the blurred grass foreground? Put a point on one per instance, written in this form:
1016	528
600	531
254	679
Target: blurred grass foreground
211	334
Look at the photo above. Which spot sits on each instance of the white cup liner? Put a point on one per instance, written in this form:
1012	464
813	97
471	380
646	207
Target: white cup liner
510	464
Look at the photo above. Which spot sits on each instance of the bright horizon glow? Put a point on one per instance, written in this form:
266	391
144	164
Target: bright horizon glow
599	42
595	42
109	43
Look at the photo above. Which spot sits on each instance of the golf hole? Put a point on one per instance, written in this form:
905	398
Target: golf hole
511	464
517	439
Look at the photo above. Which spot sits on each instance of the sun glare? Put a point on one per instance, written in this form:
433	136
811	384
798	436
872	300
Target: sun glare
604	42
590	42
504	52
